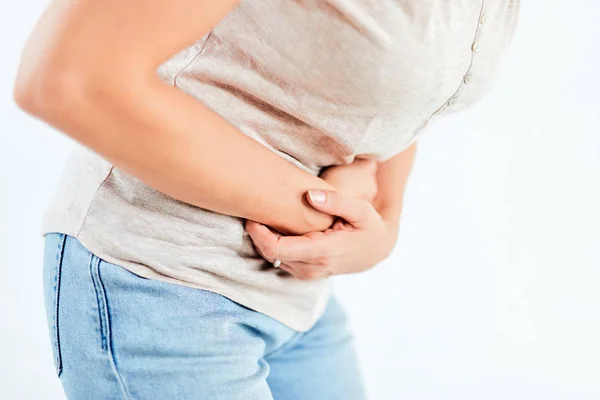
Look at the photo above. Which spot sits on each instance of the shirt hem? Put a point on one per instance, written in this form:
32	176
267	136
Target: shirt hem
302	324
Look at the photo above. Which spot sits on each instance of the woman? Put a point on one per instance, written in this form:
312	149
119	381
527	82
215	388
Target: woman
275	134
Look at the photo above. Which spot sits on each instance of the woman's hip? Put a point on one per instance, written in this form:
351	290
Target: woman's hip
118	335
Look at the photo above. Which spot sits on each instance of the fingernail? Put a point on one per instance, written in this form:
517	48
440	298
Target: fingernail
318	196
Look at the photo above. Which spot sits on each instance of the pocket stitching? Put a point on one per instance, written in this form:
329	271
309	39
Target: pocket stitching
94	261
104	314
55	317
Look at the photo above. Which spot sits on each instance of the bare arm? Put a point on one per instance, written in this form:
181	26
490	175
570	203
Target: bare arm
366	236
89	69
392	177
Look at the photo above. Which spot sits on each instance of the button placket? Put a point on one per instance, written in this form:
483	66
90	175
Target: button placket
475	48
468	76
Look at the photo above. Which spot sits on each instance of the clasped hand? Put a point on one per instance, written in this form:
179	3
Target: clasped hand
358	240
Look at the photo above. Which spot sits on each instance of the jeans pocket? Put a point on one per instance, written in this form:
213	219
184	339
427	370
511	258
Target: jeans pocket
101	302
53	259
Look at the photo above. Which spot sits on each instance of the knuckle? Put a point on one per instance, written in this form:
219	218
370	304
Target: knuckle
269	251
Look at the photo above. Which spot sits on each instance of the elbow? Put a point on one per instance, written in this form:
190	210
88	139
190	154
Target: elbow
63	92
50	94
25	95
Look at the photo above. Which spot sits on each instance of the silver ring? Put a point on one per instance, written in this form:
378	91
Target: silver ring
276	263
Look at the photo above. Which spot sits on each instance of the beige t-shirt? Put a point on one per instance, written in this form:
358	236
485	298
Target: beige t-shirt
319	85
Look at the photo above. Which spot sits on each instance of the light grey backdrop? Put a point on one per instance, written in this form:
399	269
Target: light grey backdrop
493	290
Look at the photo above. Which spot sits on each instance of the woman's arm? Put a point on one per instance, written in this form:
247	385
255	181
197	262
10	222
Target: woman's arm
89	69
392	177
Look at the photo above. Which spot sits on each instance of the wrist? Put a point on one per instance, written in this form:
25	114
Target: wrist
389	213
393	231
390	238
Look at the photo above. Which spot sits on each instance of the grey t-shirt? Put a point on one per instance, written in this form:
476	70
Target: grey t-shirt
317	84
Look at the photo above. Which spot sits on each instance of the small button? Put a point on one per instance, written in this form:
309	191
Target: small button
452	101
482	19
475	47
468	78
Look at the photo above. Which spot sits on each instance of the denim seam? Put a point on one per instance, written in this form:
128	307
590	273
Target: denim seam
287	344
59	259
94	277
108	341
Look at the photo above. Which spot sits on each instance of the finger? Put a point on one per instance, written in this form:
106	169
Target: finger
256	225
304	273
271	260
296	274
316	269
356	211
341	225
256	229
290	248
315	264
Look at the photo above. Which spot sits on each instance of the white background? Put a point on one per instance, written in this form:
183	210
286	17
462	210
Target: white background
493	290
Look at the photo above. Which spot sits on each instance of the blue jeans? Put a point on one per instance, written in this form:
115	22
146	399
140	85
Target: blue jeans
116	335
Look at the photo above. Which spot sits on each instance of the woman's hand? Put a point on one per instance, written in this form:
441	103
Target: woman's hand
354	244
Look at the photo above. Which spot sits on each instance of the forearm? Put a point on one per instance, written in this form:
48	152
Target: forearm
89	69
392	176
175	144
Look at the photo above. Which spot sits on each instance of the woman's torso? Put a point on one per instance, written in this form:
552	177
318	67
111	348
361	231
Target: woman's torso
318	85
